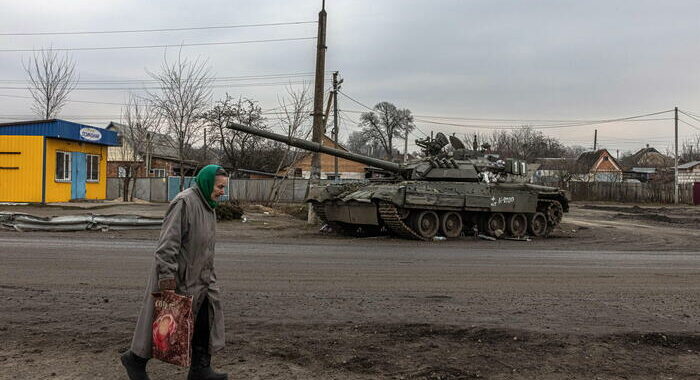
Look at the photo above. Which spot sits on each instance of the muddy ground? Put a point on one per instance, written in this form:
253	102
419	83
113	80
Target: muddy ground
614	294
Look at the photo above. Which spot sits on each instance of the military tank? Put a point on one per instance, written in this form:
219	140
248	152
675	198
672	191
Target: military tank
453	191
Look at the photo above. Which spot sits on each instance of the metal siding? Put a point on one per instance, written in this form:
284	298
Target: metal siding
61	191
59	129
23	184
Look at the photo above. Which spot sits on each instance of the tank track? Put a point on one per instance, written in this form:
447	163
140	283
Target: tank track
392	221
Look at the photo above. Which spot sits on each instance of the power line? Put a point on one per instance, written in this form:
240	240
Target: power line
69	101
156	30
690	116
216	79
694	115
373	110
262	84
546	126
688	124
160	46
506	120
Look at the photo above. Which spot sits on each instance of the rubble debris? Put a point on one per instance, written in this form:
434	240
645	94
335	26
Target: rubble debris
524	238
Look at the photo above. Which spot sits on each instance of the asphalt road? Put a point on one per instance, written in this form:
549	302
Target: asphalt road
395	281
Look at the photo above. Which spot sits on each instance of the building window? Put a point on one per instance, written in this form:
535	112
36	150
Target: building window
158	173
63	166
93	168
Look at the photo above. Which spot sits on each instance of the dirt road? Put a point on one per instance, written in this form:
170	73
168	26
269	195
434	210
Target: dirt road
299	305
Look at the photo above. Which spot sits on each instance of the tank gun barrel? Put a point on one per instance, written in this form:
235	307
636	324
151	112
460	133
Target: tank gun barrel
317	147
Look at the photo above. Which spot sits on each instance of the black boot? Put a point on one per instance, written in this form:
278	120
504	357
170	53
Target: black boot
201	366
135	366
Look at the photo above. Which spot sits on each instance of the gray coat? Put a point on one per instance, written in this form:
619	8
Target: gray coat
185	252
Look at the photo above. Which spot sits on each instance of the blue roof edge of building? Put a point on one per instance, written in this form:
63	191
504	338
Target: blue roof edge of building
61	129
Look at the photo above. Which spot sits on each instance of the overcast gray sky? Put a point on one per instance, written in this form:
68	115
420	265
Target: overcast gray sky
520	61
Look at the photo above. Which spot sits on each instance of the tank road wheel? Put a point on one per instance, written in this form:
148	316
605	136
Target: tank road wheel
538	225
426	223
495	224
517	225
451	224
554	213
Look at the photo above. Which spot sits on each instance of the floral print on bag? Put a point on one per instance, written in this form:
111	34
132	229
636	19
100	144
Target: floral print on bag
172	328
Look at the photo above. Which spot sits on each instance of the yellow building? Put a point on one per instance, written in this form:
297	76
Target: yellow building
53	161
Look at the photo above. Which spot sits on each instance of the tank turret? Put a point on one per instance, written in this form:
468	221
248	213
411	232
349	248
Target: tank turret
458	164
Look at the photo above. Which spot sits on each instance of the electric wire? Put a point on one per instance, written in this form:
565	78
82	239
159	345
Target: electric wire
156	30
373	110
688	124
230	85
96	48
142	81
547	126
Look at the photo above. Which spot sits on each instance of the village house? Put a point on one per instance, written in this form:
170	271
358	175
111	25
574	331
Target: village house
646	164
347	169
158	159
598	166
689	172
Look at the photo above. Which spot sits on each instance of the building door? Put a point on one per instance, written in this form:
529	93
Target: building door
78	175
696	193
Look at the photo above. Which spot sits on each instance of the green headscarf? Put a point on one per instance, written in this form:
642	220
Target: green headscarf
205	181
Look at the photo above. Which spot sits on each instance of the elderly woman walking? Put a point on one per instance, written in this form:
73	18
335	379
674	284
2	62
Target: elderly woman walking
184	263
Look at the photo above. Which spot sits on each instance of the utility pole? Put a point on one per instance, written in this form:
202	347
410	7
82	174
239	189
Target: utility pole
405	147
318	131
318	128
675	177
595	140
336	87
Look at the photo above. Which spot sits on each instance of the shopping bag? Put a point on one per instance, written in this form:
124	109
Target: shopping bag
172	328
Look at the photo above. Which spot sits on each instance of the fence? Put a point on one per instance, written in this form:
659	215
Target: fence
630	192
294	190
149	189
290	190
252	190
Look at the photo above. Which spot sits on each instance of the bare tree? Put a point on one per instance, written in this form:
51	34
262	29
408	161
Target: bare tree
51	79
385	123
690	149
239	148
295	114
141	123
185	92
525	143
